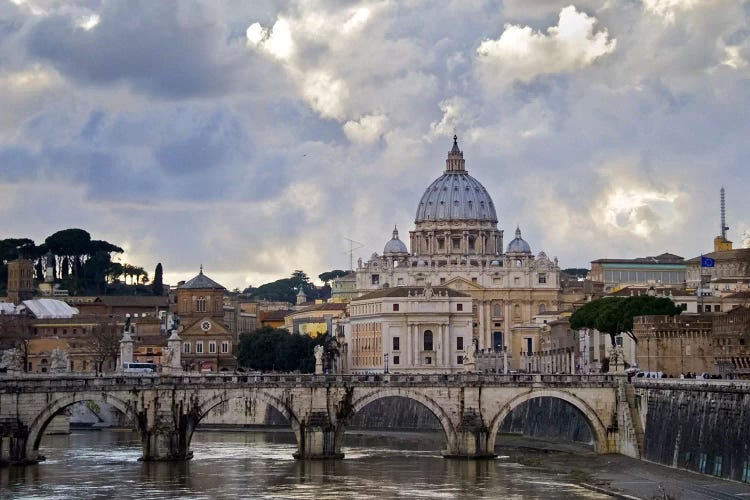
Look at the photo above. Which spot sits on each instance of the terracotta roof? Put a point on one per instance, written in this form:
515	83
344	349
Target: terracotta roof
328	306
135	300
404	291
276	315
736	254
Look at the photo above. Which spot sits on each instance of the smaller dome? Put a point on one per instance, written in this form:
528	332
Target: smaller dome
395	245
518	245
495	263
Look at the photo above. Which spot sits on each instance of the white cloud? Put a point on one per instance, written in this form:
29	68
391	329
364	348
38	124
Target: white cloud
278	42
456	116
367	129
88	22
326	94
523	54
669	8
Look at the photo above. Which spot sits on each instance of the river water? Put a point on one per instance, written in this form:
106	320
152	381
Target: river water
104	464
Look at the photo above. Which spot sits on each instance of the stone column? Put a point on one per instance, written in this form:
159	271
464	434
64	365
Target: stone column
173	362
126	350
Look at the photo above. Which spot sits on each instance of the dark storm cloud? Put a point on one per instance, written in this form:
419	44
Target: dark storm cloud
164	48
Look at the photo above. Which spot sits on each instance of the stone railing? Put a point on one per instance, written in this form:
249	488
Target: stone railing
80	381
698	384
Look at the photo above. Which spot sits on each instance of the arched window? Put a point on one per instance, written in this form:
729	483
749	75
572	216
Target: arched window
200	304
542	308
428	340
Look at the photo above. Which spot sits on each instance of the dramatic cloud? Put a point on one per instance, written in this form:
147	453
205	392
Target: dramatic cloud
254	137
523	54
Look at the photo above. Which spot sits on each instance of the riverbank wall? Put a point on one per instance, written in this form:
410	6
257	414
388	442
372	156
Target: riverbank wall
702	426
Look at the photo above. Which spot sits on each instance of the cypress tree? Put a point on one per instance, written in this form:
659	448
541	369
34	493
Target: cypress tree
158	284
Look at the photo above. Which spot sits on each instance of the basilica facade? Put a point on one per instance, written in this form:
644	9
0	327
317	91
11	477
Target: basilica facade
456	243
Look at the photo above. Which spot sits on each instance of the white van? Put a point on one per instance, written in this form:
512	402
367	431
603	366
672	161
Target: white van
139	367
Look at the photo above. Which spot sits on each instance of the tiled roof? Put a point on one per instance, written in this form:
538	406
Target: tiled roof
202	282
736	254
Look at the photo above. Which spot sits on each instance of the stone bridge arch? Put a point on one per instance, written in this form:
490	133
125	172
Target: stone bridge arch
449	428
261	396
40	423
598	430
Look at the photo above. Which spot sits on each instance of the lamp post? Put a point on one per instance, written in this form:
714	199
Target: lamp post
385	363
682	361
648	348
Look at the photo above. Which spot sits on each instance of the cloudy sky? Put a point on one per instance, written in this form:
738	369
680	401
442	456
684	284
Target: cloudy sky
253	137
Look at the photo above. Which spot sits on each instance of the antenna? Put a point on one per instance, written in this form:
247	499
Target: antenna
353	245
724	226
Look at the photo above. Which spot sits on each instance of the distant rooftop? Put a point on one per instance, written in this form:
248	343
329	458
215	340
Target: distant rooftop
665	258
202	282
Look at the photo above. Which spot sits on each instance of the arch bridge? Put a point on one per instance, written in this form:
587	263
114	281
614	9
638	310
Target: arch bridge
166	409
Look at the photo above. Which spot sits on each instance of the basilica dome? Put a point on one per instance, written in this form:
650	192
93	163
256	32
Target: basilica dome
518	245
395	245
456	195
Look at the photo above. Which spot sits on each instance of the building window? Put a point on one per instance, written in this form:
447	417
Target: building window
199	346
428	341
395	307
200	304
529	345
497	310
441	244
186	347
375	279
717	308
542	278
396	344
212	347
474	280
459	360
459	343
396	360
717	465
428	360
224	347
442	280
516	281
459	307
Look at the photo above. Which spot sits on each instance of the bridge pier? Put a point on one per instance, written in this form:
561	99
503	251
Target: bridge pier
167	439
13	450
471	439
318	438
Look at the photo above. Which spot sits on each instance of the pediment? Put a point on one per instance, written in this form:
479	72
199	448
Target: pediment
196	327
462	284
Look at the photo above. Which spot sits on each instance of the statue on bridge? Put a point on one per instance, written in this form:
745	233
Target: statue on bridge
12	360
59	361
318	352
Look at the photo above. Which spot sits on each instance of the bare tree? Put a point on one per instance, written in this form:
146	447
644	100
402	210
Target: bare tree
104	343
15	333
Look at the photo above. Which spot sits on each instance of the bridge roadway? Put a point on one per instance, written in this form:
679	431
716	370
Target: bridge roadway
166	409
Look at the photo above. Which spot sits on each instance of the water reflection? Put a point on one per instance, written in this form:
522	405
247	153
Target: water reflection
260	465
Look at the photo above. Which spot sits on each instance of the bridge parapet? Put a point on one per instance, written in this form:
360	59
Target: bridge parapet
71	381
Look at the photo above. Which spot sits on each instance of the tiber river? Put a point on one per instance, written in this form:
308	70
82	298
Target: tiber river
104	464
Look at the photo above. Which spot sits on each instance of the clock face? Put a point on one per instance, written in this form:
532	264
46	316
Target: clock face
206	326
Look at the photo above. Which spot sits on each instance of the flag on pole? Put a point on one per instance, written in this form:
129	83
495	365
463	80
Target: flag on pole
707	262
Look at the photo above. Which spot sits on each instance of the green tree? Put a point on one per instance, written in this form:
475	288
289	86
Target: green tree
614	315
268	349
158	284
329	276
